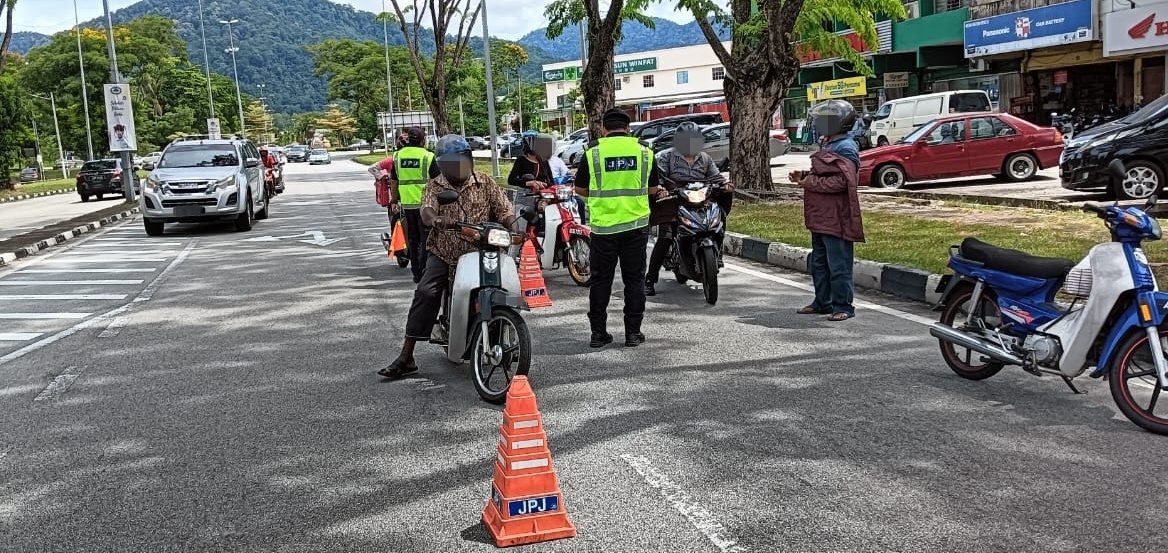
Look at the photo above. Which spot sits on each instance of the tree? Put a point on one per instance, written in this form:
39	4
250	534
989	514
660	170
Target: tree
338	122
14	119
259	121
599	88
763	61
441	18
7	42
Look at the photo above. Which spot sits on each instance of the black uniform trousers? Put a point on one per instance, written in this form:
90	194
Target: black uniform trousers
416	234
608	250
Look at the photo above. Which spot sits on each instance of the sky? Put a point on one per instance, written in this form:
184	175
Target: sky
50	16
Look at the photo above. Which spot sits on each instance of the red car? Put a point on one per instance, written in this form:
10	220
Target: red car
964	145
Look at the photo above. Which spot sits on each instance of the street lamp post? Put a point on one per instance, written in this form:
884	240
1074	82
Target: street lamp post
386	131
60	147
235	68
206	64
519	99
490	93
40	157
84	90
116	77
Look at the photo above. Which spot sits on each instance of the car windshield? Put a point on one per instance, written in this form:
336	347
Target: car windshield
100	165
319	152
883	113
199	156
1148	112
917	134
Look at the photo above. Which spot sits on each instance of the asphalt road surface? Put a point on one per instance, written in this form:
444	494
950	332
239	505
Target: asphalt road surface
210	390
28	215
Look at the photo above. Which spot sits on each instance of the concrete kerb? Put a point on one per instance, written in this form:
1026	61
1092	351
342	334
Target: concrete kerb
903	282
37	195
7	258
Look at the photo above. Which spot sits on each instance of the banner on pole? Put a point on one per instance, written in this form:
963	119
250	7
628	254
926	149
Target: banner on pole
213	129
119	118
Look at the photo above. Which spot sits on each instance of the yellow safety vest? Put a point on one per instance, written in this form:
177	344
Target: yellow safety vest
413	172
618	190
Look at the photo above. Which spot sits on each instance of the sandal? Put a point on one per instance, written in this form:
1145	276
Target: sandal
841	316
398	369
811	310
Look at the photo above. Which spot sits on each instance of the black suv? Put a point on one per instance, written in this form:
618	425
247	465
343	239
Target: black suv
1139	140
100	177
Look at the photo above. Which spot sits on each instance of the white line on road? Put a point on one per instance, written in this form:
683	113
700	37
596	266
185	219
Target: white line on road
63	297
105	260
68	282
115	327
131	242
59	384
697	515
859	303
167	253
66	270
30	316
18	336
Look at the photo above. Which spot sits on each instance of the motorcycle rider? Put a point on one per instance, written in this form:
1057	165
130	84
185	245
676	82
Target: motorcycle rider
480	200
412	167
685	163
269	162
537	149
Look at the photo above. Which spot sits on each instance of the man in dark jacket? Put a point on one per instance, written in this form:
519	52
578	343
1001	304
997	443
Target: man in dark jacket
831	210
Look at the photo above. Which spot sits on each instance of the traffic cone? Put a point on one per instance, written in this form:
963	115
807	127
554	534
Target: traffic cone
526	505
531	278
399	238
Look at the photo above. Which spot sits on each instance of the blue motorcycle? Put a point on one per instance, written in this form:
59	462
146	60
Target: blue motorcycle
999	308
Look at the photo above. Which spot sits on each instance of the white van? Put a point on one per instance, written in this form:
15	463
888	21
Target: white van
896	119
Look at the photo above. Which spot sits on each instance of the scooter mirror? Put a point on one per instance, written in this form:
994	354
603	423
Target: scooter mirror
447	197
1116	170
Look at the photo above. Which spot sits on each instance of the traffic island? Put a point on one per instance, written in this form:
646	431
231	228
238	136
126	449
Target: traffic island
24	245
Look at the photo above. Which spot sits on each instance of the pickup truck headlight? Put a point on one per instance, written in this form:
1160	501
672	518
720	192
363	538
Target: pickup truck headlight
226	182
153	184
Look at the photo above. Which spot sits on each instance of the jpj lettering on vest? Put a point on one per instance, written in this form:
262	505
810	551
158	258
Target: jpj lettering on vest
623	163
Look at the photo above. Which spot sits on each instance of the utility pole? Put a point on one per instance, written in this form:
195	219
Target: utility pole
116	78
490	93
519	98
235	67
84	90
387	130
206	63
40	156
60	145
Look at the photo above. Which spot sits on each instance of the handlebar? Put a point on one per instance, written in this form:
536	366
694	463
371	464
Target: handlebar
1092	207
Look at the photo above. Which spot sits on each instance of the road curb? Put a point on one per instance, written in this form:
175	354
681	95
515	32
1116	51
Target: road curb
7	258
36	195
899	281
999	201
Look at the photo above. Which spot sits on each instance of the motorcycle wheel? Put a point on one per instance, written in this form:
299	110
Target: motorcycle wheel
1133	362
509	354
577	259
681	279
959	359
709	264
403	260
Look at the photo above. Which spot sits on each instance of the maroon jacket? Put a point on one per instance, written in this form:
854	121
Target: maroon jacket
831	201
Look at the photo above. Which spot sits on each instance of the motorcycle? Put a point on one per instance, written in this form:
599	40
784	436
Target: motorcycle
1065	123
999	309
482	323
695	248
559	224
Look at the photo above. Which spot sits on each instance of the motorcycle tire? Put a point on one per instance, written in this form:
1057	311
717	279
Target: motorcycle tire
577	258
681	279
953	313
709	265
517	354
403	260
1119	377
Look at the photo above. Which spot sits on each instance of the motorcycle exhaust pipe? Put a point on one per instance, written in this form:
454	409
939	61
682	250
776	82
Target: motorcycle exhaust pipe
993	351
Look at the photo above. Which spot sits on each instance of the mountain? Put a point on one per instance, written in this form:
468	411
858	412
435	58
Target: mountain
273	36
637	38
23	42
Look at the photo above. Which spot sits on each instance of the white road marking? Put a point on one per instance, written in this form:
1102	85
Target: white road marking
65	270
59	384
114	328
68	282
859	303
130	252
131	242
18	336
63	297
106	260
697	515
144	296
32	316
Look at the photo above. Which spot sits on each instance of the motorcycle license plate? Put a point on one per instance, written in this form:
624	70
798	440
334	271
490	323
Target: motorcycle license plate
188	210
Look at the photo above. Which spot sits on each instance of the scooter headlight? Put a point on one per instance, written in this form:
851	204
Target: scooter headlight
491	262
565	192
695	196
499	237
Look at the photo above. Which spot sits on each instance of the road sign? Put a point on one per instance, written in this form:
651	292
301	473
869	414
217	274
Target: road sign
119	118
213	129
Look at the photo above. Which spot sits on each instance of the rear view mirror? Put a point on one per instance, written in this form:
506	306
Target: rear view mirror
252	162
1116	170
447	197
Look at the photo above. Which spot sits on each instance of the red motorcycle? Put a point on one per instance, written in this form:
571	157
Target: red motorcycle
557	233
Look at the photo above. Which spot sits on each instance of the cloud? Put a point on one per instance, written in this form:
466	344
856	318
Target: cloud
50	16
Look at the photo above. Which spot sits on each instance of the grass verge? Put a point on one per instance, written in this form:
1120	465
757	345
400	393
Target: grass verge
919	236
37	187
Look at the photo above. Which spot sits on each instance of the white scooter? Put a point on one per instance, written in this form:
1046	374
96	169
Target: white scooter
562	237
999	309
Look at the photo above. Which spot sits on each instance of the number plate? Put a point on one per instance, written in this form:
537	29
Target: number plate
533	506
188	210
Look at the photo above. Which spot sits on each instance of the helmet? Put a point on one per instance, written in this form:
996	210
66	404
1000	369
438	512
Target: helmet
529	140
415	136
833	117
688	126
451	144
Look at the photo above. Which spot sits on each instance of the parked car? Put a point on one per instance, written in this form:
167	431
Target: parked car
573	152
29	174
298	153
69	161
319	156
147	163
102	176
717	143
649	131
200	180
996	144
478	143
514	148
897	118
1139	140
359	145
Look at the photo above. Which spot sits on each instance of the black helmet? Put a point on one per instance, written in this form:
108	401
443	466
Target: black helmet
833	117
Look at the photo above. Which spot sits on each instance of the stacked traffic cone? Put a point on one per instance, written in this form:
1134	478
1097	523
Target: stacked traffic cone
398	244
531	278
526	505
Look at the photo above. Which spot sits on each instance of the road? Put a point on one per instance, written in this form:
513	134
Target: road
207	391
28	215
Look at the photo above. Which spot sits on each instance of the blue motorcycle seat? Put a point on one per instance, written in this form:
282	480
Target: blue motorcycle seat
1013	261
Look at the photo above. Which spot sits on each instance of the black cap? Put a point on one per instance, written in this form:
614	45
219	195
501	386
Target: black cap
616	114
416	136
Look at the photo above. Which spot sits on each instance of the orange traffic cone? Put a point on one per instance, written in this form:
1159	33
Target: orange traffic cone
531	278
526	505
399	238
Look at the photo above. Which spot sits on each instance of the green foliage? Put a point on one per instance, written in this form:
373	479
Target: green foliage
564	13
14	119
339	124
859	15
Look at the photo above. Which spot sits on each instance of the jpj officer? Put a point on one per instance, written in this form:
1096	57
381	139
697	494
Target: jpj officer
618	177
413	167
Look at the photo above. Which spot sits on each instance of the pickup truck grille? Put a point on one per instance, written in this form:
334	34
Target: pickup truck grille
191	201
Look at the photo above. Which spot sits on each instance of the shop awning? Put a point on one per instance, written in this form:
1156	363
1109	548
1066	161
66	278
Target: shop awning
684	98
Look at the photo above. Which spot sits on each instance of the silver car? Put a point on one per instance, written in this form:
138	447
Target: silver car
205	180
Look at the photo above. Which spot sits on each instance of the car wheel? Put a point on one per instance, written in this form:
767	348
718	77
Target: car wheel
85	197
99	196
882	141
891	176
1020	167
1141	180
153	228
245	219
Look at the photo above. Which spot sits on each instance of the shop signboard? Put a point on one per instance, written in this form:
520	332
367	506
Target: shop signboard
896	80
635	66
840	88
1065	23
562	74
1140	29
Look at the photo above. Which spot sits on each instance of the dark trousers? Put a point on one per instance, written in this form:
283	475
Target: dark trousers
428	299
660	250
416	240
831	273
628	249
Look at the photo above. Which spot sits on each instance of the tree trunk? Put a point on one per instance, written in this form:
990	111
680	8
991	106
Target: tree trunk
7	42
750	117
438	107
597	85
